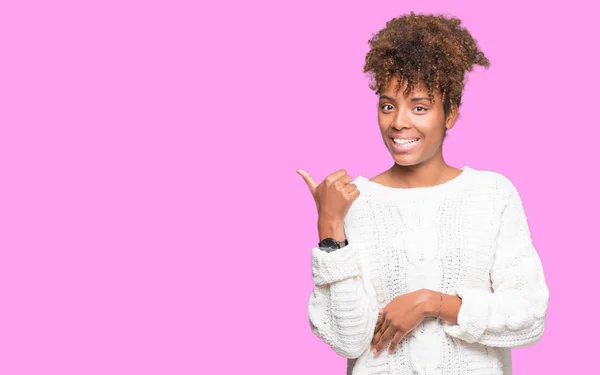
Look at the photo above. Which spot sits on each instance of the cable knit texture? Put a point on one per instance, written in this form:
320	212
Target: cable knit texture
467	237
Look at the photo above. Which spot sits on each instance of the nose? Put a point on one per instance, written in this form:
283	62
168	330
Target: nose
402	120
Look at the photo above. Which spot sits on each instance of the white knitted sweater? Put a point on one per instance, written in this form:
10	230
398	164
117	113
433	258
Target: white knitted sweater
467	237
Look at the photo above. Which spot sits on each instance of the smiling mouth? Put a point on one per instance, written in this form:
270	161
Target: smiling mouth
404	142
404	146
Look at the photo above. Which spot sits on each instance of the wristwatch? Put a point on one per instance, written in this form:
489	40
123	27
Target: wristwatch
329	244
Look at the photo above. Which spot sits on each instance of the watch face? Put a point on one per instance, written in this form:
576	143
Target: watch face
328	242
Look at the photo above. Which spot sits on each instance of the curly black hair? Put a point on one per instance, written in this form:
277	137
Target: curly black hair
427	48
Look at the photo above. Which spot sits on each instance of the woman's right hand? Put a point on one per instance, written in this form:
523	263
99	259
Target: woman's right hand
333	196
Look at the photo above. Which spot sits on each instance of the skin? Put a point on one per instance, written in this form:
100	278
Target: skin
333	198
413	115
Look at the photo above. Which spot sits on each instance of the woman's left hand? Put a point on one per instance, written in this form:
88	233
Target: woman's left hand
398	318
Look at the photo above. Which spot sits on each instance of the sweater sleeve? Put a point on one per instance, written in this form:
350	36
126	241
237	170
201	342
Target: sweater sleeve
513	315
341	311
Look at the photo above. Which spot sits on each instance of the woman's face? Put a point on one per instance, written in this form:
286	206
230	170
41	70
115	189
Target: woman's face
412	127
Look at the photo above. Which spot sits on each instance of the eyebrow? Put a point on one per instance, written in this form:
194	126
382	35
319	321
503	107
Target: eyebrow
412	99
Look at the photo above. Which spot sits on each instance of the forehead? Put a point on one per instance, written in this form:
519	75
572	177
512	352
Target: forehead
391	89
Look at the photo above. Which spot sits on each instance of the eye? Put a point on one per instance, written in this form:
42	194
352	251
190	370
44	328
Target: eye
423	109
387	107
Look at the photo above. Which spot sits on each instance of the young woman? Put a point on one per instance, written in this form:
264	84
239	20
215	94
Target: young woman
424	268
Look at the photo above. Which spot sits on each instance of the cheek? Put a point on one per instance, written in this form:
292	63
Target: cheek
432	130
383	123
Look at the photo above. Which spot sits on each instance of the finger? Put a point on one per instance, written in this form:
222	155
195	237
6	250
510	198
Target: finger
395	341
380	319
335	176
342	182
379	322
312	185
349	188
385	339
378	338
377	326
385	324
379	331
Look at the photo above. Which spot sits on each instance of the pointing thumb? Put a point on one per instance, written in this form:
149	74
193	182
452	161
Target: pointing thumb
312	185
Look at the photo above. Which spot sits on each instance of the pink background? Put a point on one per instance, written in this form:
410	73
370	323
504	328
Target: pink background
151	219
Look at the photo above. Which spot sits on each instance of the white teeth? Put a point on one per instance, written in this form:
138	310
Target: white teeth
405	141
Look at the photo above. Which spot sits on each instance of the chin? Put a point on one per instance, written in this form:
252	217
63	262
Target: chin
407	160
407	164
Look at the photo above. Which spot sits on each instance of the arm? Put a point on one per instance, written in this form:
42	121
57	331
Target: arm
514	314
446	307
341	312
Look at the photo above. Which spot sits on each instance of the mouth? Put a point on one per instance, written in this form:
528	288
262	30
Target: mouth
402	145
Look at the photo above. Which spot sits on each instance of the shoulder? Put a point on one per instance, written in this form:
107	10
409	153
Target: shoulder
492	182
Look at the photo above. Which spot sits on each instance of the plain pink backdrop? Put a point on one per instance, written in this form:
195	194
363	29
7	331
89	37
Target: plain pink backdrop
151	219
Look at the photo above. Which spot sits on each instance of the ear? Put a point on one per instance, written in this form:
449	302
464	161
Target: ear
451	117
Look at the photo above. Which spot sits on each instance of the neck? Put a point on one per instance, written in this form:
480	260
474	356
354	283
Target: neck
430	173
